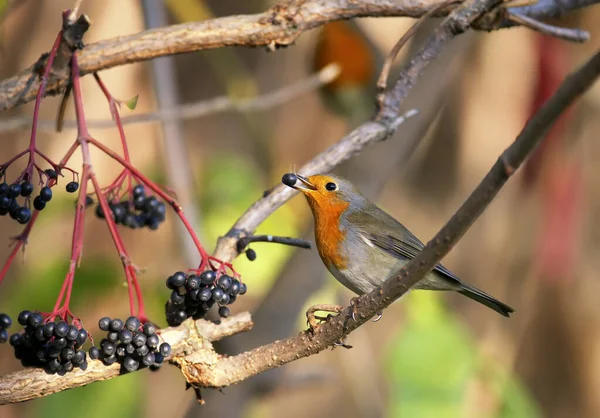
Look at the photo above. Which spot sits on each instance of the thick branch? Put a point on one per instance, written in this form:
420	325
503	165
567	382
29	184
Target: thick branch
191	336
235	369
279	26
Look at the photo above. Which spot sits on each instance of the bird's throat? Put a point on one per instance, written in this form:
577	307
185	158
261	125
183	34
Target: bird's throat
328	234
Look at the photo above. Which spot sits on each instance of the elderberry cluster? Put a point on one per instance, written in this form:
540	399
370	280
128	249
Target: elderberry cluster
130	344
144	211
194	295
53	346
5	323
21	212
9	204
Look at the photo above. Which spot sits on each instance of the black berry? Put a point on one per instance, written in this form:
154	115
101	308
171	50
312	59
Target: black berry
72	187
23	317
250	254
26	189
164	349
116	325
132	323
46	194
104	323
149	328
224	311
130	364
14	190
51	174
39	203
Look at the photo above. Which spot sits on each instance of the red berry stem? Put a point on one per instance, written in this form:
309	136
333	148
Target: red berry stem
19	241
117	118
85	139
156	189
38	101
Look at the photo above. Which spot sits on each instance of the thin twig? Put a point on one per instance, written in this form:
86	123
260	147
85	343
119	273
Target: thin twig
195	110
294	242
279	26
544	9
389	61
568	34
74	11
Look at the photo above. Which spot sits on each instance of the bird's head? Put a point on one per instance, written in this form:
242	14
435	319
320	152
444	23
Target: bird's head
325	192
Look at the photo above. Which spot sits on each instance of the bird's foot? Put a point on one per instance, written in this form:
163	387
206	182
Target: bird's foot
314	320
379	316
341	343
354	308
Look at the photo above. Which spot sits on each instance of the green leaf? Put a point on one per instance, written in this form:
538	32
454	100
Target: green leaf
434	359
132	103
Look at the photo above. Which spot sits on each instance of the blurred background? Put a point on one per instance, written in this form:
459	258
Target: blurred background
432	354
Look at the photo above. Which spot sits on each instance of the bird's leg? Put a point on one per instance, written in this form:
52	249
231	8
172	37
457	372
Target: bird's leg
313	320
379	316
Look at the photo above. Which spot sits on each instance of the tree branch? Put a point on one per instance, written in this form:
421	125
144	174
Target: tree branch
279	26
190	336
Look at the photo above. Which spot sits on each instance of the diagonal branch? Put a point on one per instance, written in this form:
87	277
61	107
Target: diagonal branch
235	369
277	27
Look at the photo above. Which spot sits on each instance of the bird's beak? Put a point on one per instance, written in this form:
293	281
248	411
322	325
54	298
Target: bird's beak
303	184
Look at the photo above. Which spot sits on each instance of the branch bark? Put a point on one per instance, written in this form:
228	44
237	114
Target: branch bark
191	336
277	27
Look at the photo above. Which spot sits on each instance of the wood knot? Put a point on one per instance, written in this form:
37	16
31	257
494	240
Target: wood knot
491	20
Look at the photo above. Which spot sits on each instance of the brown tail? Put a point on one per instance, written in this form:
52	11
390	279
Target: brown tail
485	299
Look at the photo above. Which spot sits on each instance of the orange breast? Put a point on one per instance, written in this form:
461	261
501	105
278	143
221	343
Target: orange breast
327	231
340	43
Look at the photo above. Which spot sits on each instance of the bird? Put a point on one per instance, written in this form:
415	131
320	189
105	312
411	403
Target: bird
350	95
362	245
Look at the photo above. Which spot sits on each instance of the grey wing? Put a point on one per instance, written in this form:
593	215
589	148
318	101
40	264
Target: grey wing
408	246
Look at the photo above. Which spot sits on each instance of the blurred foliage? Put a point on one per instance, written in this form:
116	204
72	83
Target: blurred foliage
432	361
229	186
93	279
3	6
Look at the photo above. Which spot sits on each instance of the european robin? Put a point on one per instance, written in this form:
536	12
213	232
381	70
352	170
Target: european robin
351	94
362	246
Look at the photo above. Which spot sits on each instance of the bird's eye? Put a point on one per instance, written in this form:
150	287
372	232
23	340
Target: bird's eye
331	186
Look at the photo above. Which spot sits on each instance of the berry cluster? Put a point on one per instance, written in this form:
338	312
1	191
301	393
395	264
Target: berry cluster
5	323
9	194
130	344
194	295
9	204
53	346
143	211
